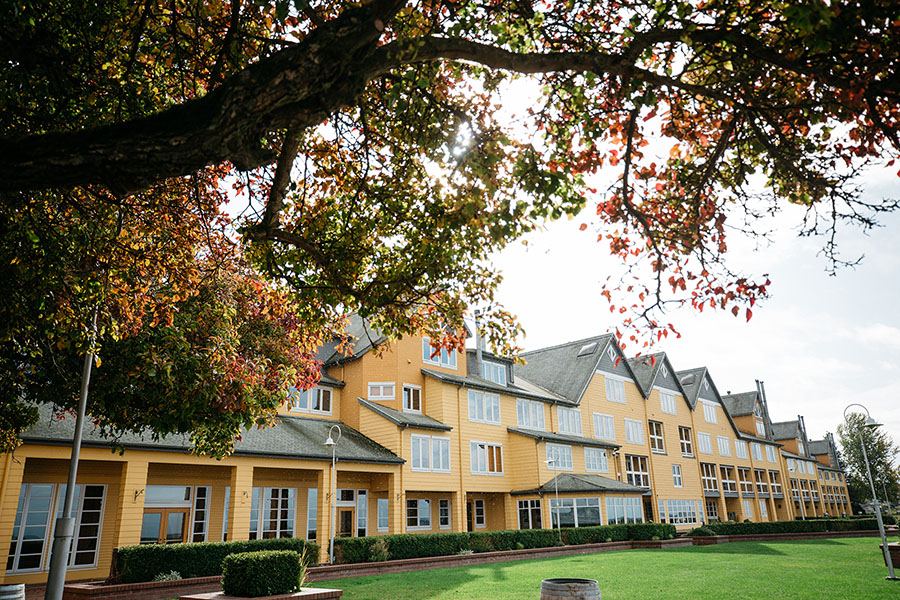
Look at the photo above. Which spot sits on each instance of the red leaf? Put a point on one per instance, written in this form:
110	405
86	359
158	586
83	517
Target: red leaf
583	227
749	314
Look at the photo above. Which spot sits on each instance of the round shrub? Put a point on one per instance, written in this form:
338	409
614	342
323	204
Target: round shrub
266	573
702	531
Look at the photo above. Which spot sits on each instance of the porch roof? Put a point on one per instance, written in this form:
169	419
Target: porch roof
583	483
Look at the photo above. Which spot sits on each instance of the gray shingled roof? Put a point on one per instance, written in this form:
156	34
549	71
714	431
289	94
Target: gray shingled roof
291	437
329	380
645	368
690	380
819	447
560	369
797	456
564	438
489	386
741	404
572	483
405	419
786	430
362	336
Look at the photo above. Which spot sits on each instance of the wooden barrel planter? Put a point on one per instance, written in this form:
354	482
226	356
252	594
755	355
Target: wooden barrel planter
14	591
894	549
565	588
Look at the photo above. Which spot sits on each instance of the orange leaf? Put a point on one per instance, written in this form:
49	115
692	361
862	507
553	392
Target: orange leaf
749	314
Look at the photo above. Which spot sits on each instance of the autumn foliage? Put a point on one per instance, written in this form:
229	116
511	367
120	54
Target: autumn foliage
382	155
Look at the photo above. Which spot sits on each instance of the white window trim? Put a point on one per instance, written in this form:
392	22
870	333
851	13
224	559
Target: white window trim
675	395
612	375
529	410
449	524
452	362
616	379
472	446
381	398
378	502
596	431
418	518
567	410
719	439
640	425
709	408
483	522
553	450
430	442
702	435
410	386
602	451
484	399
677	478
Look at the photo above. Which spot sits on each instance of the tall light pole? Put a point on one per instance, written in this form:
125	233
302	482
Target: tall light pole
333	442
871	424
553	461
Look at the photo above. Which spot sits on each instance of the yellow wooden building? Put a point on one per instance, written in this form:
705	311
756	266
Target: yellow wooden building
430	441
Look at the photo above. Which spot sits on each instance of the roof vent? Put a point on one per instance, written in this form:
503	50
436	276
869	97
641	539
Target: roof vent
587	349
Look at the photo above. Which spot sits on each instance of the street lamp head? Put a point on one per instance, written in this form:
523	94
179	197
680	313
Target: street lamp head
329	441
871	423
332	441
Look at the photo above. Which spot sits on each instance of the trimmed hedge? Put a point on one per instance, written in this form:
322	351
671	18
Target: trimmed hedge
265	573
728	528
142	563
422	545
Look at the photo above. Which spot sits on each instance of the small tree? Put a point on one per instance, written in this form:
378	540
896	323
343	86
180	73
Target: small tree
881	451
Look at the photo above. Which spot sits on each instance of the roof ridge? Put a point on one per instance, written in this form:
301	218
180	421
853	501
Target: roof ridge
564	344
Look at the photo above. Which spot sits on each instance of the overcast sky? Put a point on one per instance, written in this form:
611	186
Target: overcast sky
819	344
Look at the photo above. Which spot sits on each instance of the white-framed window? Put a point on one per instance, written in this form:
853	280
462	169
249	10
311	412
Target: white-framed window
440	357
709	413
756	449
634	431
657	442
667	402
682	512
493	371
760	429
33	526
530	414
712	510
792	465
740	449
225	513
530	516
444	513
763	510
278	507
724	446
745	481
704	442
623	510
811	468
362	512
615	389
412	398
604	427
418	514
569	420
487	458
801	467
800	447
596	460
576	512
383	508
708	477
748	509
381	390
484	407
478	514
200	514
312	512
677	480
770	454
687	445
762	486
636	470
430	453
316	400
561	455
729	484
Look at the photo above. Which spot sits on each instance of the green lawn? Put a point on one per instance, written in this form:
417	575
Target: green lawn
850	569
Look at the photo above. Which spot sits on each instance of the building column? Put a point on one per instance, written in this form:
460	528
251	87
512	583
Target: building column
13	472
458	512
512	512
323	513
239	502
396	504
722	506
130	503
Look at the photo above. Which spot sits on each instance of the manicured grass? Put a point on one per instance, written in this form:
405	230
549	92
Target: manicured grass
828	569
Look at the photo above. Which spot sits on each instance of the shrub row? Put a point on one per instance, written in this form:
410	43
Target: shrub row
143	563
731	528
266	573
411	545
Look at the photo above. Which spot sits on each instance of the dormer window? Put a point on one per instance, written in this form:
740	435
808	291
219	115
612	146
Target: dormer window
493	371
440	357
